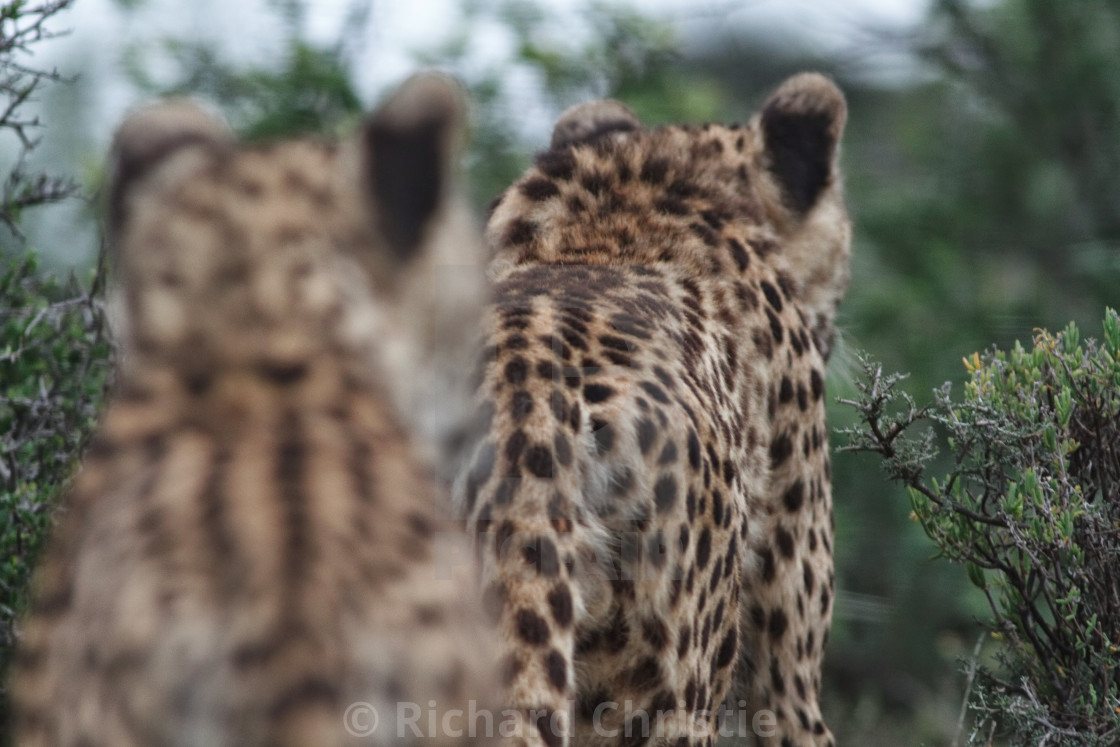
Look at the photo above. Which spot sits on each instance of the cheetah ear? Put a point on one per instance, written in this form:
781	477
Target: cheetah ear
149	138
411	144
585	122
801	125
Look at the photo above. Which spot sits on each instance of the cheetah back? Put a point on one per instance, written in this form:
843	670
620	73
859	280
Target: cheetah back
650	492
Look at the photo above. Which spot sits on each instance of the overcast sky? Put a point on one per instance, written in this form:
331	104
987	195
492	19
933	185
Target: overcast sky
248	30
399	27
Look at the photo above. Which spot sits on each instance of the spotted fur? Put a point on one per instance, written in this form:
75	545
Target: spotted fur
251	544
650	490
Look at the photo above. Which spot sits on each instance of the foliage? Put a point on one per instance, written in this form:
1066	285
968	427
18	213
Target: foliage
1031	507
558	59
21	28
53	366
53	349
307	90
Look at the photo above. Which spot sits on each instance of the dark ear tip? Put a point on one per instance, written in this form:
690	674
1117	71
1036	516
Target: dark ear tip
151	134
158	129
810	95
411	143
424	100
801	125
591	119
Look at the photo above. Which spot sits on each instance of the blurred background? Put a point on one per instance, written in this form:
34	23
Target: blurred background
982	163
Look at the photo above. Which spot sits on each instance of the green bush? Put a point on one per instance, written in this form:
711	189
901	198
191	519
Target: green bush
54	354
1031	507
54	363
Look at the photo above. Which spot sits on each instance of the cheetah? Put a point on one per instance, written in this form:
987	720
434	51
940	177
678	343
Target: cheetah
650	483
250	546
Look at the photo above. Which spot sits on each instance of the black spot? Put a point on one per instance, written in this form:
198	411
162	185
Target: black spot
684	641
557	670
646	675
703	548
655	391
768	568
559	406
785	392
785	542
654	171
515	343
778	623
739	254
563	449
539	461
532	628
595	182
780	449
807	576
647	432
794	497
772	296
516	370
775	326
665	493
726	652
776	679
595	393
671	206
706	234
693	450
717	576
515	446
816	383
537	189
520	231
548	370
556	164
560	600
615	343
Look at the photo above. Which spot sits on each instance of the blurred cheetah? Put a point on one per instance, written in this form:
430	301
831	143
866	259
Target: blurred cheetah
250	546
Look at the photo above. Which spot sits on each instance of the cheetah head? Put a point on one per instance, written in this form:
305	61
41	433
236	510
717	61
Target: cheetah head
278	256
784	162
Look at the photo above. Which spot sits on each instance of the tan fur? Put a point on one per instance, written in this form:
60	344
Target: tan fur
650	489
253	542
